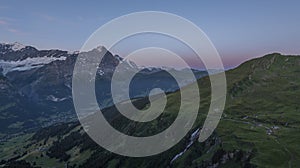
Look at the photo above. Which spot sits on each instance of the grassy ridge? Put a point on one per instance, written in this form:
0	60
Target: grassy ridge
259	126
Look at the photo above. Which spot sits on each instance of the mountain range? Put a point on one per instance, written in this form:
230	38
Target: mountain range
36	85
259	127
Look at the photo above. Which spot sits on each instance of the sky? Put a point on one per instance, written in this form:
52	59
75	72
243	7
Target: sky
240	30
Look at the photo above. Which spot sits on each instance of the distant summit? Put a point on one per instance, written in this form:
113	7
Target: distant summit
14	46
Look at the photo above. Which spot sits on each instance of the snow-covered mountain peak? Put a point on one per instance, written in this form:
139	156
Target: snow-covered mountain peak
13	46
17	46
101	48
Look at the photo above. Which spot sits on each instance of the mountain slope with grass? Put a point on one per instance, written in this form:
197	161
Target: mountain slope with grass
36	85
259	127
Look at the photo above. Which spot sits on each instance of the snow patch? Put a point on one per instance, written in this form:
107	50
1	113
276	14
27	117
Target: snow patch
100	48
131	64
73	52
193	138
17	46
27	64
55	99
101	73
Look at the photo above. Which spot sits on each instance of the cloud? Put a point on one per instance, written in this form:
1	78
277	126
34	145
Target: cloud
57	20
17	32
48	17
3	22
9	25
6	20
13	30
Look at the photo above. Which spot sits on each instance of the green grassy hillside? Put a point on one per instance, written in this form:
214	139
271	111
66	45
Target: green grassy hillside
260	127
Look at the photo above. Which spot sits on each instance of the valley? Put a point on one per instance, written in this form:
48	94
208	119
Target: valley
259	127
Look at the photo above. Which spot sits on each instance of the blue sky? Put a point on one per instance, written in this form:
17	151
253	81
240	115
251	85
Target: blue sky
239	30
